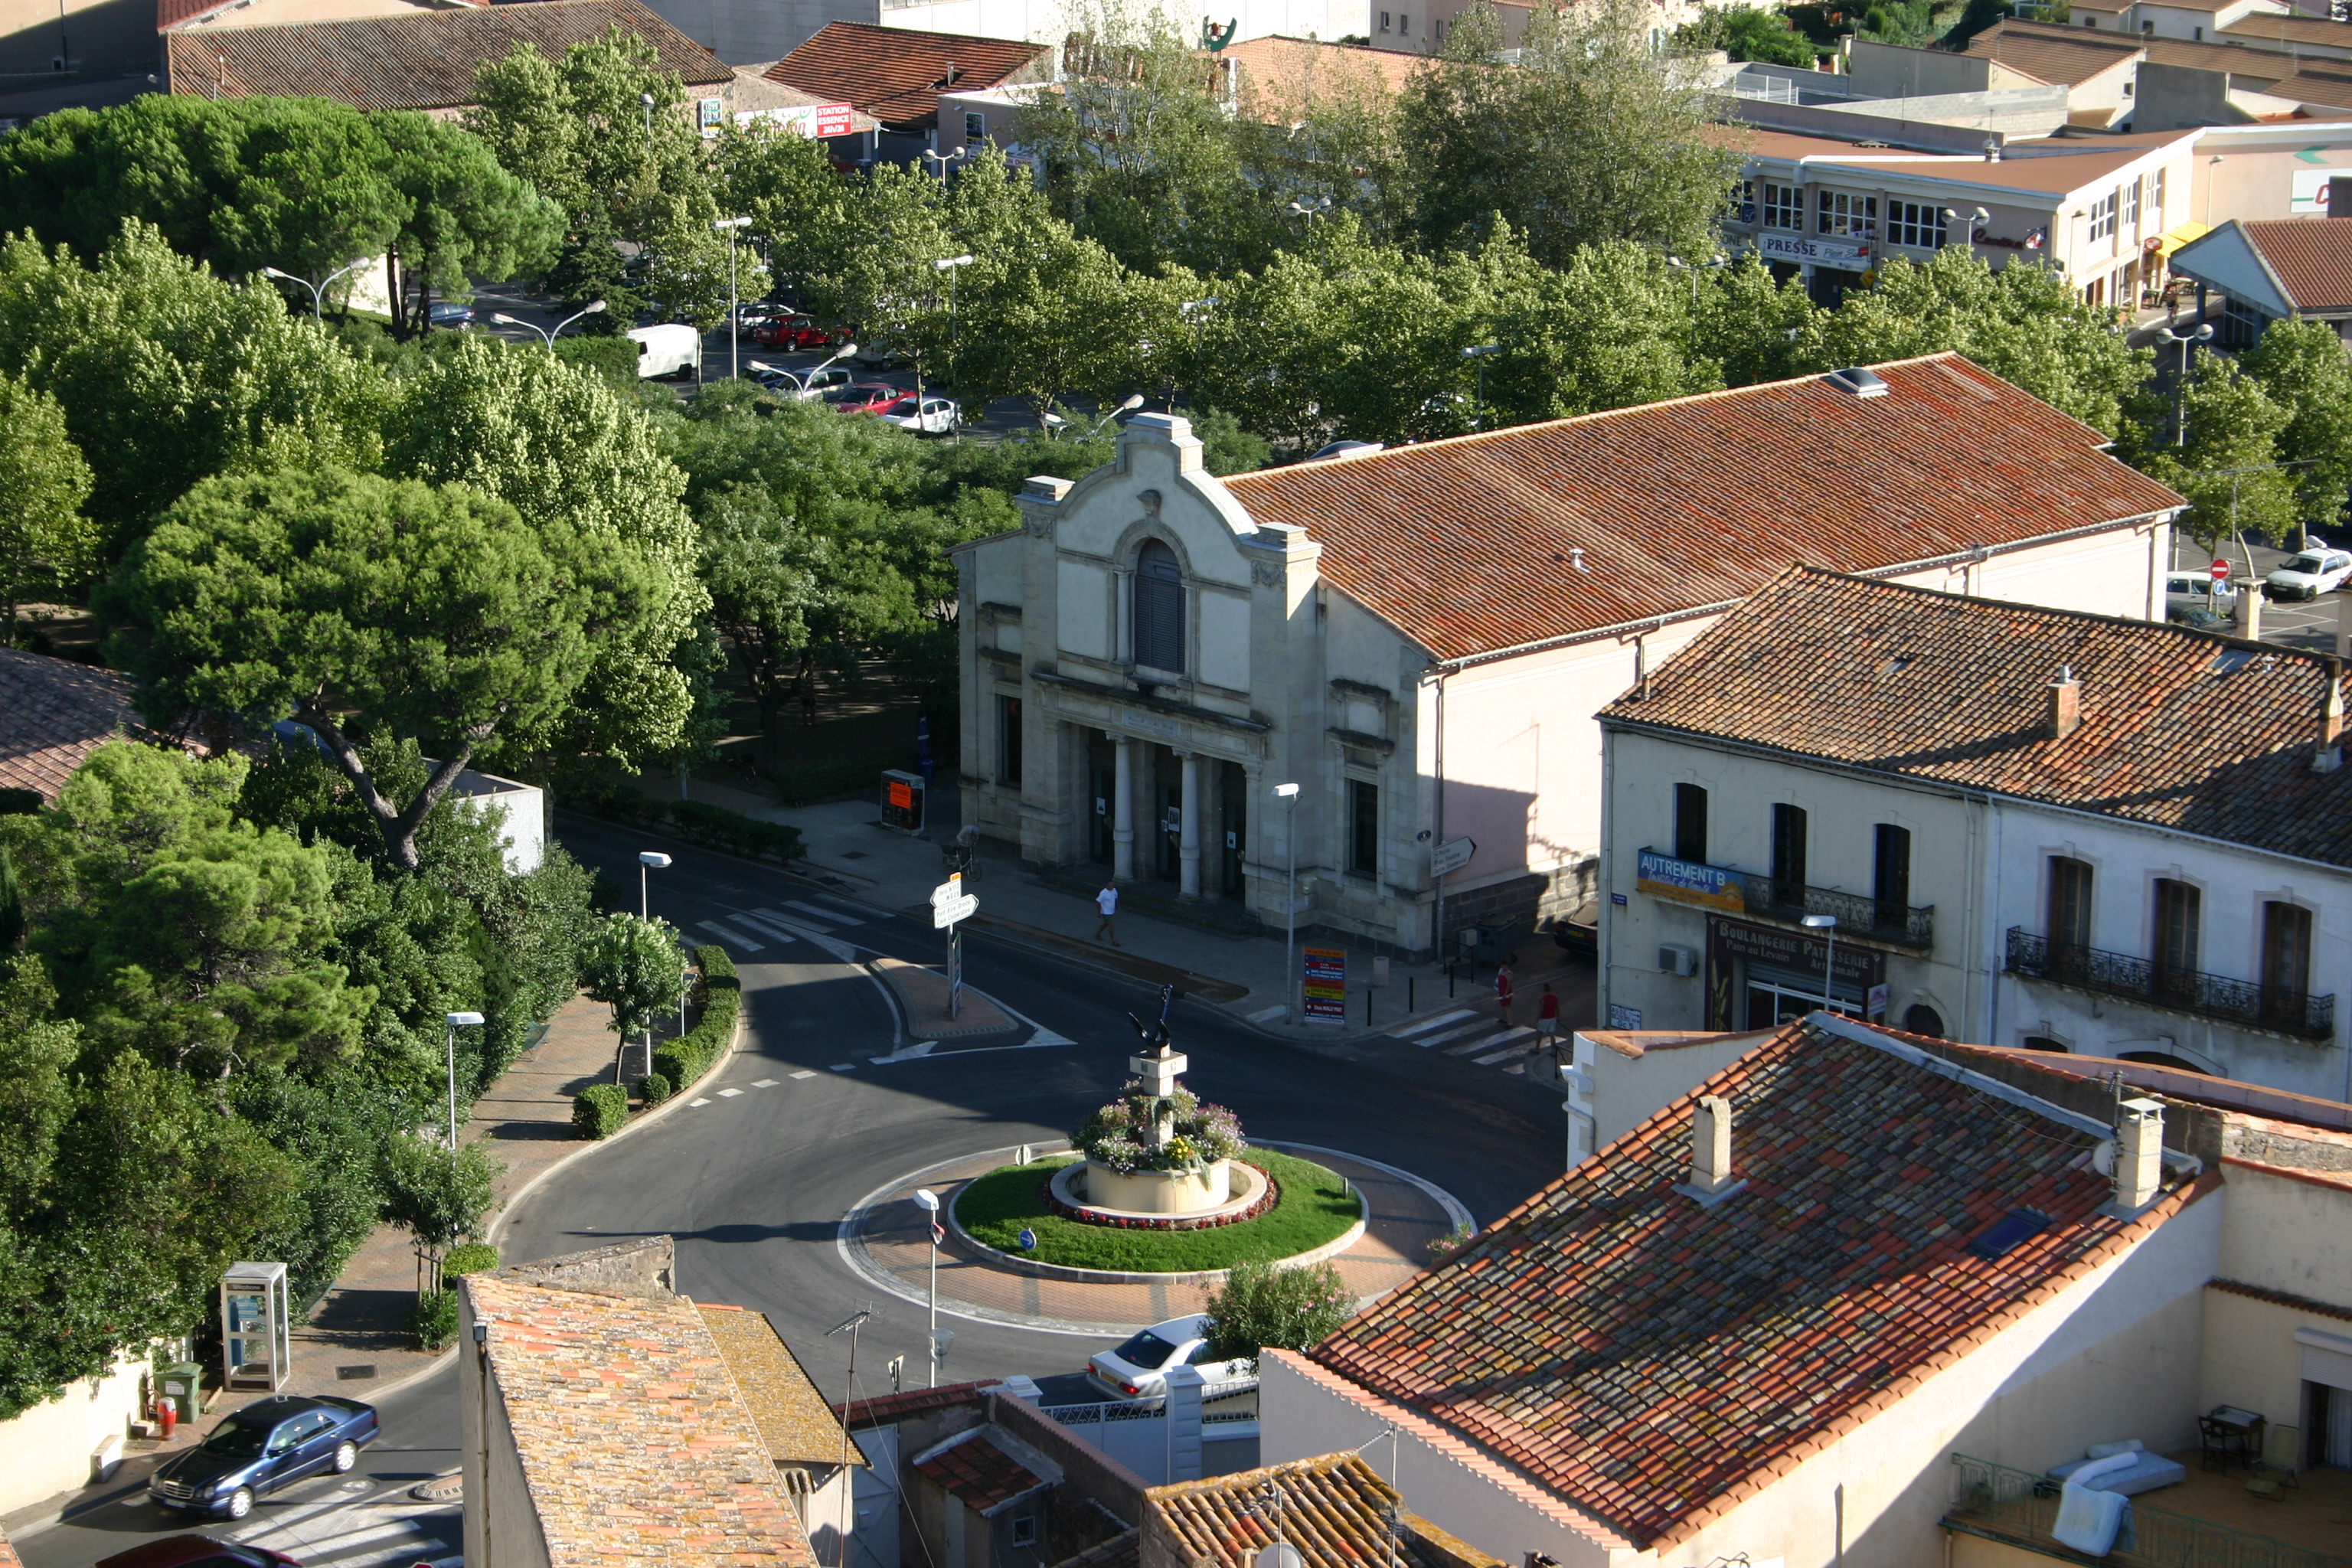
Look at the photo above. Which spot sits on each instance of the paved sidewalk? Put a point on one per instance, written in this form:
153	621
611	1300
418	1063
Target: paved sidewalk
1160	943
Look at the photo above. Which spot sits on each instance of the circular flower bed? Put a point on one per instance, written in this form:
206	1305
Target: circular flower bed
1118	1135
1312	1205
1272	1197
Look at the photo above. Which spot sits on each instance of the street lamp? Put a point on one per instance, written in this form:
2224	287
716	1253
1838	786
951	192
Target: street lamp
594	307
929	1201
1967	226
1477	354
940	160
2203	334
1695	269
1827	926
317	289
647	859
456	1021
952	266
1310	211
647	99
1289	794
1134	400
730	227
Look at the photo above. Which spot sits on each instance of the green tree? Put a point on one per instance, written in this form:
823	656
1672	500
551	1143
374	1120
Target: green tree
1264	1306
1593	135
1749	325
2229	468
349	603
45	540
440	1195
1609	329
1749	33
168	375
635	967
465	217
2301	367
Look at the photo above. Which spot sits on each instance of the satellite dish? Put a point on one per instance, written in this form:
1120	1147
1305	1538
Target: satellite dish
1281	1554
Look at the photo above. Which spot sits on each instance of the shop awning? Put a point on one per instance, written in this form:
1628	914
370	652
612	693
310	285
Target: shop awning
2165	245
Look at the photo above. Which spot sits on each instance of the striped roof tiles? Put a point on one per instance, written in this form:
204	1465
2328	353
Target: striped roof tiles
1653	1363
53	714
1469	545
2311	257
1335	1509
896	74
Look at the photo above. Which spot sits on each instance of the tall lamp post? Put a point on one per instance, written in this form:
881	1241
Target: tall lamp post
594	307
730	228
940	160
952	266
929	1201
2203	334
647	99
1289	794
1827	926
1695	269
456	1021
1477	354
647	860
318	290
1966	227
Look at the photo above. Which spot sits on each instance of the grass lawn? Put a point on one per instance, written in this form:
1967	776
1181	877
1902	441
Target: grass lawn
1315	1207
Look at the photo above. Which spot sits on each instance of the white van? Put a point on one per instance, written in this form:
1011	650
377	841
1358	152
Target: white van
673	348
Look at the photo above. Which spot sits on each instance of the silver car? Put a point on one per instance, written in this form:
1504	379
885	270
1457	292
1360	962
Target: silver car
1138	1368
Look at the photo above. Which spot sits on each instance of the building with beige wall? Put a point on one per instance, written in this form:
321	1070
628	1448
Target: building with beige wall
1418	639
2020	827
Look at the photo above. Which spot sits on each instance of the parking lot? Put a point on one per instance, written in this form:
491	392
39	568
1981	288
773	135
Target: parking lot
2315	625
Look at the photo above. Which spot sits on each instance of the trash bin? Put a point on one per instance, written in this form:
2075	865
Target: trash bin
184	1387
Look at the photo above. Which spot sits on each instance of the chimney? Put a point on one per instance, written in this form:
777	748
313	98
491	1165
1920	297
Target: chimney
2330	753
2140	1154
1710	1173
2065	705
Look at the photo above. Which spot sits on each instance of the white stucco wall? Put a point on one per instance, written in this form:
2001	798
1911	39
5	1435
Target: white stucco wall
47	1449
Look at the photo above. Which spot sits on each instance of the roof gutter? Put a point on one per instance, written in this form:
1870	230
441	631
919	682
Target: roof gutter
1951	558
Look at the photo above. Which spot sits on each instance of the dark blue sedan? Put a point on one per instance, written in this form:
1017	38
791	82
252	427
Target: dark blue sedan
270	1444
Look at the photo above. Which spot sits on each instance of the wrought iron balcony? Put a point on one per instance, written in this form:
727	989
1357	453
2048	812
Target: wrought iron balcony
2181	990
2018	1507
1753	893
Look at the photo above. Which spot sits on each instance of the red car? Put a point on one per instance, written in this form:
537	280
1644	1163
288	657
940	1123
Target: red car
198	1552
792	333
863	397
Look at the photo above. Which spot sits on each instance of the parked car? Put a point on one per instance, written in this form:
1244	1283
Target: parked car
270	1444
446	314
818	383
2196	593
750	318
927	417
863	397
793	334
2321	568
198	1552
1138	1368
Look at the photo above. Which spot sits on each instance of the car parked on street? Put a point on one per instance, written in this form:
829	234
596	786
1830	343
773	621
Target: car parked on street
2193	598
925	416
2320	568
793	334
198	1552
446	314
815	384
863	397
270	1444
1137	1369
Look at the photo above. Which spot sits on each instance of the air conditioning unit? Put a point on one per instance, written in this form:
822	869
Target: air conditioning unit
1676	959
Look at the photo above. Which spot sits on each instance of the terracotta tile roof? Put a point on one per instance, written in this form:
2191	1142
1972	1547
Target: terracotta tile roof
1465	544
53	714
1654	1362
1335	1509
2283	32
422	61
2310	256
973	1468
7	1553
2179	728
2069	55
892	1408
2279	1299
2091	163
633	1443
1281	77
2247	65
2319	81
794	1421
897	75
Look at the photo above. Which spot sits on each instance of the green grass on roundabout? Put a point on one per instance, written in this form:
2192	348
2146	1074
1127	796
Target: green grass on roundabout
1315	1206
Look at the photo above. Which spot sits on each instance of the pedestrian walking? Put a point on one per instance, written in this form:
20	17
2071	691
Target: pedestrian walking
1548	1020
1107	902
1503	992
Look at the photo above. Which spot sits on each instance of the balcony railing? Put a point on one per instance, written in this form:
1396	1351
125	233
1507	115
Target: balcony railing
2020	1506
1751	893
2181	990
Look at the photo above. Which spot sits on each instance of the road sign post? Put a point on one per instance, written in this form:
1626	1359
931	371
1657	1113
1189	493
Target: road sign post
951	906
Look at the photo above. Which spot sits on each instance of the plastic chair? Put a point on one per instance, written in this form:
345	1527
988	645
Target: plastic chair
2282	1450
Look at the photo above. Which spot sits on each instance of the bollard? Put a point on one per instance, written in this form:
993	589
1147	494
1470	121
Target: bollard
1449	980
1367	1008
1410	1005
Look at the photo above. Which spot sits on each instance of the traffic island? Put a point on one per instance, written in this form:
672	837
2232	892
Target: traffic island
922	997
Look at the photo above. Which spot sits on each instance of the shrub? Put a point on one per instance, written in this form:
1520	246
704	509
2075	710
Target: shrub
435	1321
1264	1306
804	783
474	1258
614	359
653	1089
696	821
688	1057
600	1110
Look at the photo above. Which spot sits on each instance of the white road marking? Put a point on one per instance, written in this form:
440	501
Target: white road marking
749	944
775	925
692	1103
835	916
1492	1042
843	1067
729	1093
804	1072
1425	1025
763	1083
1506	1054
1462	1032
907	1053
824	925
842	910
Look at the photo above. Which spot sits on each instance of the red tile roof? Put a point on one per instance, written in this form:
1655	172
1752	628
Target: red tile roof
1654	1362
897	75
423	61
53	714
2310	256
2179	728
974	1470
889	1407
1465	544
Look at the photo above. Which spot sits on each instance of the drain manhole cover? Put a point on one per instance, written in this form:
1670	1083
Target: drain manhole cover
441	1488
355	1373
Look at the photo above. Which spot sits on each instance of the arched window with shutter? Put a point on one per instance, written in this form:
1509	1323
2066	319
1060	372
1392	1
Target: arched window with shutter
1158	608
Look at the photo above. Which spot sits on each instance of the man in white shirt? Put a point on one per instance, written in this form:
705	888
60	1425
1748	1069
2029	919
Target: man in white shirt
1107	902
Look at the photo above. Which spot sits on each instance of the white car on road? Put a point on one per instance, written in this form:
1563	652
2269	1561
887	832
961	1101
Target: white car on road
1139	1369
2320	569
925	416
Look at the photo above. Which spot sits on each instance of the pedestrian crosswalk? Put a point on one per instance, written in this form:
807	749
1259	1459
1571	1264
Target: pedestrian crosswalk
1468	1033
800	921
362	1523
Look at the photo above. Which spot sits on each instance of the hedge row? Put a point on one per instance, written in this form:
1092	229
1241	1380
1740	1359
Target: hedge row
696	821
679	1063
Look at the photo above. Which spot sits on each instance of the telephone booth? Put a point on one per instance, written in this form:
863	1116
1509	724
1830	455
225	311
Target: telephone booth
257	1327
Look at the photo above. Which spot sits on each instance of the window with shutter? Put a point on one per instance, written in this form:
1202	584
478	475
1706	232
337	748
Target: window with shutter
1159	609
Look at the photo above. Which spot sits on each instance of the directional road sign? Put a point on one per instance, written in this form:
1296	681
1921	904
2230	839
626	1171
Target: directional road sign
946	914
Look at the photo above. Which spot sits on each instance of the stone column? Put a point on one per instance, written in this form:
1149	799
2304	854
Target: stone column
1122	811
1188	843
